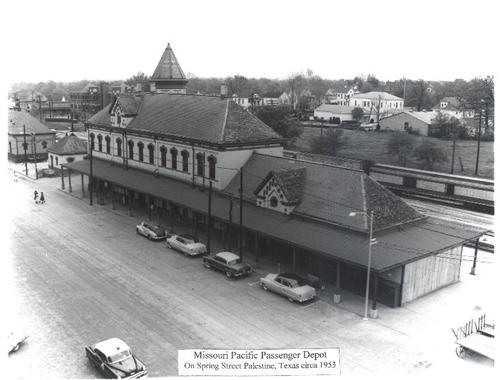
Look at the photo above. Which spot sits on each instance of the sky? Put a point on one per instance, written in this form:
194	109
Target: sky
111	40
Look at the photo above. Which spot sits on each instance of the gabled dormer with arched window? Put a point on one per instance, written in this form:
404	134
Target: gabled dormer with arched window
124	109
281	190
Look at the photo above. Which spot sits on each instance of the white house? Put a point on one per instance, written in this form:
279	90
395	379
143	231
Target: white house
69	149
409	121
377	104
450	106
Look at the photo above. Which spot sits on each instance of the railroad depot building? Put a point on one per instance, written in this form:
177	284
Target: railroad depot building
164	149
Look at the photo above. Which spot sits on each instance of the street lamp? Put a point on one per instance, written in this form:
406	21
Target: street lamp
371	242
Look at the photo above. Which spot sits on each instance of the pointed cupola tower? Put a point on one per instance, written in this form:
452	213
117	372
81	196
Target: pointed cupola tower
168	76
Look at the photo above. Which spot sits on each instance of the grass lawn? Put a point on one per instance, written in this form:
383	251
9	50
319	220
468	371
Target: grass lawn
371	146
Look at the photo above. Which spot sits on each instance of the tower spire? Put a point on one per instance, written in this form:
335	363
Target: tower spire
168	76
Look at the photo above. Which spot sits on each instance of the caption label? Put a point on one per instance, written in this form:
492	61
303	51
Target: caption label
298	362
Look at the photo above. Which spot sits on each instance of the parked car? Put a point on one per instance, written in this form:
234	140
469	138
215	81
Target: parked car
187	244
290	285
152	232
228	263
368	126
114	360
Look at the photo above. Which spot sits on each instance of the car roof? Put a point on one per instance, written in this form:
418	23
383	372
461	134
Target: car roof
292	276
187	236
228	256
112	346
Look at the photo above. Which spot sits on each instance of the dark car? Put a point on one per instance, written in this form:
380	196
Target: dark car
114	360
152	232
227	262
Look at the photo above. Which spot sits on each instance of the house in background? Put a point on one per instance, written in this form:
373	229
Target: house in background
340	96
69	149
377	104
450	106
25	128
409	121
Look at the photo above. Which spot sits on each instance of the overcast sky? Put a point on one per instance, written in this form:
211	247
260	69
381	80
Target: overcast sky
107	39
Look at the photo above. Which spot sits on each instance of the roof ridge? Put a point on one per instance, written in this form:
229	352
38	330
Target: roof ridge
310	162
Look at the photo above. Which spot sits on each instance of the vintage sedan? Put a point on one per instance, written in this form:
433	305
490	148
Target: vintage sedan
289	285
152	232
227	262
186	244
114	360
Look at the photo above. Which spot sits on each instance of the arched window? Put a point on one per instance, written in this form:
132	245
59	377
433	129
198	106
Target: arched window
140	146
130	149
185	161
211	166
92	141
173	153
108	144
200	164
163	156
99	142
119	147
151	149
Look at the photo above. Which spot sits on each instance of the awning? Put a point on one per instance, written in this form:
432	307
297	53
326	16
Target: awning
395	247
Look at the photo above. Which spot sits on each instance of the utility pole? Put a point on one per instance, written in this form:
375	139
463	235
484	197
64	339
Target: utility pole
40	107
230	226
209	221
91	178
454	134
478	143
241	214
72	130
476	247
34	153
25	147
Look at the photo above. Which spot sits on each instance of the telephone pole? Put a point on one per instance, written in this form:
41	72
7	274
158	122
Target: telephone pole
209	221
25	147
478	143
241	214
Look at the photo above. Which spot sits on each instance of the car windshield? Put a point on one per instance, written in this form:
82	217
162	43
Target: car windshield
119	356
159	230
295	281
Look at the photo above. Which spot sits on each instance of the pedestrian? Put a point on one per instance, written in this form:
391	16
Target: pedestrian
42	198
15	177
36	196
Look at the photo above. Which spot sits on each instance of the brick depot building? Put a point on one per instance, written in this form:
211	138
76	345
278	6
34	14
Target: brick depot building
163	147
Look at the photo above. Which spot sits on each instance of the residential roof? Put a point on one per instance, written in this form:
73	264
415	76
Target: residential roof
375	95
201	118
453	104
70	144
426	117
18	119
394	247
328	193
168	68
335	109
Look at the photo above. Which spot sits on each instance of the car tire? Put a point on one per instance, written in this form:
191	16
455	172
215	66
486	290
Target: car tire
137	230
150	237
229	275
206	265
263	286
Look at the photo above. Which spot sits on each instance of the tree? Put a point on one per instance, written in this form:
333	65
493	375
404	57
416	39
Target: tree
329	143
430	153
280	121
296	83
400	144
357	113
139	78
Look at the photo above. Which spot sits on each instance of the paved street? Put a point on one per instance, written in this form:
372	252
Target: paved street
79	274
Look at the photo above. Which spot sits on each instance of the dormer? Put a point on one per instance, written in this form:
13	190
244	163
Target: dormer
123	110
281	190
444	104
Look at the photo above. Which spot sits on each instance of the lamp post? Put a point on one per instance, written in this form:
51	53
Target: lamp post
370	243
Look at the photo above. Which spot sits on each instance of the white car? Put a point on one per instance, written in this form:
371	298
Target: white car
290	285
187	244
152	232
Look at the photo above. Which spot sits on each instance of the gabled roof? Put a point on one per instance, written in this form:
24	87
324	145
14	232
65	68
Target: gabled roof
426	117
291	182
168	68
330	193
375	95
453	104
200	118
18	119
69	145
128	103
